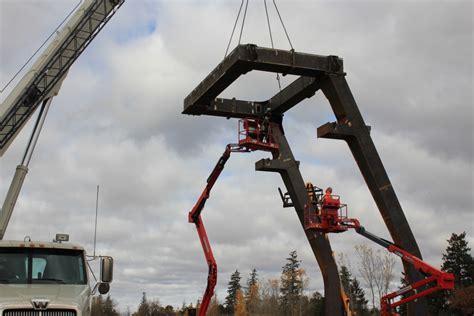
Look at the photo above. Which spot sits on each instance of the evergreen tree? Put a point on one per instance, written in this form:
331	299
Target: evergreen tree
356	295
251	281
144	307
346	278
108	308
234	286
316	305
458	261
252	297
291	289
358	300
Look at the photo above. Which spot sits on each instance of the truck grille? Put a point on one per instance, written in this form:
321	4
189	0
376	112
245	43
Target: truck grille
32	312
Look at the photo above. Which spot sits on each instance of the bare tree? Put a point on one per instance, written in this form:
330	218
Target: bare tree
214	307
366	268
269	294
376	269
385	262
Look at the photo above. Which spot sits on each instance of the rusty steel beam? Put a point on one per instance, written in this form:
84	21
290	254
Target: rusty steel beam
285	164
294	93
316	73
350	127
245	58
234	108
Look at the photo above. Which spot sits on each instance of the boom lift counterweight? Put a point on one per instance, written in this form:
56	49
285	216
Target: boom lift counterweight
253	135
330	216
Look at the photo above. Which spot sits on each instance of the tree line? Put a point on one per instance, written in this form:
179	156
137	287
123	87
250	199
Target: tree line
288	294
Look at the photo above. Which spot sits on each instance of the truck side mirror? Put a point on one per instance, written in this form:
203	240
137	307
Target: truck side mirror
106	269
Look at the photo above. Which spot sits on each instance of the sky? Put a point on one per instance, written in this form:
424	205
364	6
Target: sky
117	123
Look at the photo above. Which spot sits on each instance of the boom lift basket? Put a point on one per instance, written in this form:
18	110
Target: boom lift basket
256	134
328	215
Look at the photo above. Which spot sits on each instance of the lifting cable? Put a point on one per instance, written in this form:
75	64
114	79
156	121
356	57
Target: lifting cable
271	39
282	24
269	29
44	43
235	25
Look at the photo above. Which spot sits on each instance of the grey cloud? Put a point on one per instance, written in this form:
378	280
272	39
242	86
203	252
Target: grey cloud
117	123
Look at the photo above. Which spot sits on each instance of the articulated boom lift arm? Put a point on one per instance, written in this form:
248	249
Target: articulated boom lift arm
331	217
254	134
435	280
194	216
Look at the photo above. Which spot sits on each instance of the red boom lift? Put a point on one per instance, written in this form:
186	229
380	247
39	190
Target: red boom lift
330	216
254	135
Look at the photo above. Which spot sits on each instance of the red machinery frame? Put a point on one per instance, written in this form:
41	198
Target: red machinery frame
256	134
330	216
251	137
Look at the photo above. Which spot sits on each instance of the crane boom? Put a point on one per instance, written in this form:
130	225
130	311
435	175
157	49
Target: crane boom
42	82
45	77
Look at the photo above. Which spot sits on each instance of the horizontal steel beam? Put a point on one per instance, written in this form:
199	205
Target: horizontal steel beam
335	130
294	93
298	90
234	108
244	58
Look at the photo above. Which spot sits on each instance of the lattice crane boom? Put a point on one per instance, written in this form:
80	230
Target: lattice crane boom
45	77
42	82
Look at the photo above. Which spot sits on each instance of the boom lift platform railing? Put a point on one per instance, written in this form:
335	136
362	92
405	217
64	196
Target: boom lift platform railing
253	135
330	216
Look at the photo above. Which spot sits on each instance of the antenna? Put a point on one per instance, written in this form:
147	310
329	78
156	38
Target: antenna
96	212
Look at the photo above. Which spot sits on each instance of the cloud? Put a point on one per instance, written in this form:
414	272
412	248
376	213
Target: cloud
117	123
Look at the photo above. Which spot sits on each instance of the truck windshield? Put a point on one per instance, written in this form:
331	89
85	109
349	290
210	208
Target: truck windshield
40	265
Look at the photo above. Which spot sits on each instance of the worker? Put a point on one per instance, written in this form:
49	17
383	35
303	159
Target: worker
264	129
328	208
311	193
327	194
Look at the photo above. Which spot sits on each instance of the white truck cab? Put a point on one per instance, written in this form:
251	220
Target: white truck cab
48	278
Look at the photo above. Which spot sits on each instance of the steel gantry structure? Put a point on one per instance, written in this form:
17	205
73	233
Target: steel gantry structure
316	72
